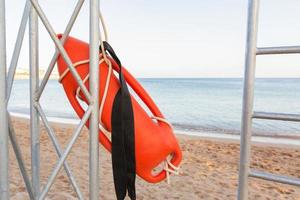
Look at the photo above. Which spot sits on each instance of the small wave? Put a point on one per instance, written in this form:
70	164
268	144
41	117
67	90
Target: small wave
257	131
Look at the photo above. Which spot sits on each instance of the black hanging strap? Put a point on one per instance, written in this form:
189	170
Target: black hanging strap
123	144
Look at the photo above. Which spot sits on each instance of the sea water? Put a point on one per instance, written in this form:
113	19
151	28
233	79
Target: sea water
191	104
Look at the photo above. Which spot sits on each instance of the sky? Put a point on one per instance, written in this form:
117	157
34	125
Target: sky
171	38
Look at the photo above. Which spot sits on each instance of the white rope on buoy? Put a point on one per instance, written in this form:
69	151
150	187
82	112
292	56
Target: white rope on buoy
173	170
168	166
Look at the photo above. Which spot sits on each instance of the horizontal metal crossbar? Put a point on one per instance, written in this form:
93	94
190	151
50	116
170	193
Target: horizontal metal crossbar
276	116
278	50
274	177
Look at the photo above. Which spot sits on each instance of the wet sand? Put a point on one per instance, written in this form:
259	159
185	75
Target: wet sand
209	169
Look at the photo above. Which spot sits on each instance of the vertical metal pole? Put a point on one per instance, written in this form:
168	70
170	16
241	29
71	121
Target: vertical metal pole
94	91
248	96
34	118
4	181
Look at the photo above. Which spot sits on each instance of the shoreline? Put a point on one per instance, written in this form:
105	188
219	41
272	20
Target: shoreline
209	169
266	140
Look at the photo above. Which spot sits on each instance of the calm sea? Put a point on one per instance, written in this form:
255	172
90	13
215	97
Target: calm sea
192	105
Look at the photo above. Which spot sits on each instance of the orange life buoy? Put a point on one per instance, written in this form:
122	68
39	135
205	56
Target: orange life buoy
154	140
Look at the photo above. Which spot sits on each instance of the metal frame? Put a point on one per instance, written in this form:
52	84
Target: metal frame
34	118
34	12
4	182
94	88
247	112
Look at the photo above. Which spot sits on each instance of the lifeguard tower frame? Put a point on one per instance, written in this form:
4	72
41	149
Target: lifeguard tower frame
248	115
34	12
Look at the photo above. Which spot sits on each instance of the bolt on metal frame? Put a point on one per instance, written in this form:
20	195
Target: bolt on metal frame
34	12
248	97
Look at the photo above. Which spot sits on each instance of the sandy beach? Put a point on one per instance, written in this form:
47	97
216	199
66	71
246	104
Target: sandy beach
209	169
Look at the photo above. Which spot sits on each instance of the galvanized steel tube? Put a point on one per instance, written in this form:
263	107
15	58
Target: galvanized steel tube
94	91
19	157
278	50
274	177
248	96
4	180
34	118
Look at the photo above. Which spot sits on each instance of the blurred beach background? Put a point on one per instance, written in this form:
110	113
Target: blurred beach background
192	105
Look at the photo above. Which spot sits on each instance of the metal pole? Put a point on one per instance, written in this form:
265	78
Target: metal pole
274	177
94	91
278	50
248	96
4	181
34	118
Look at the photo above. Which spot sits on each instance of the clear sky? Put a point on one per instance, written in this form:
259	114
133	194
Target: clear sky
191	38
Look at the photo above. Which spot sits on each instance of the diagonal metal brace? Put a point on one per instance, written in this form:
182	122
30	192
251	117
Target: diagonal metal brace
65	154
58	150
56	54
61	49
19	157
17	49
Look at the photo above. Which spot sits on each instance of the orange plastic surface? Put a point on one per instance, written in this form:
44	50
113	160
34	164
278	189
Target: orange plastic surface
154	141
